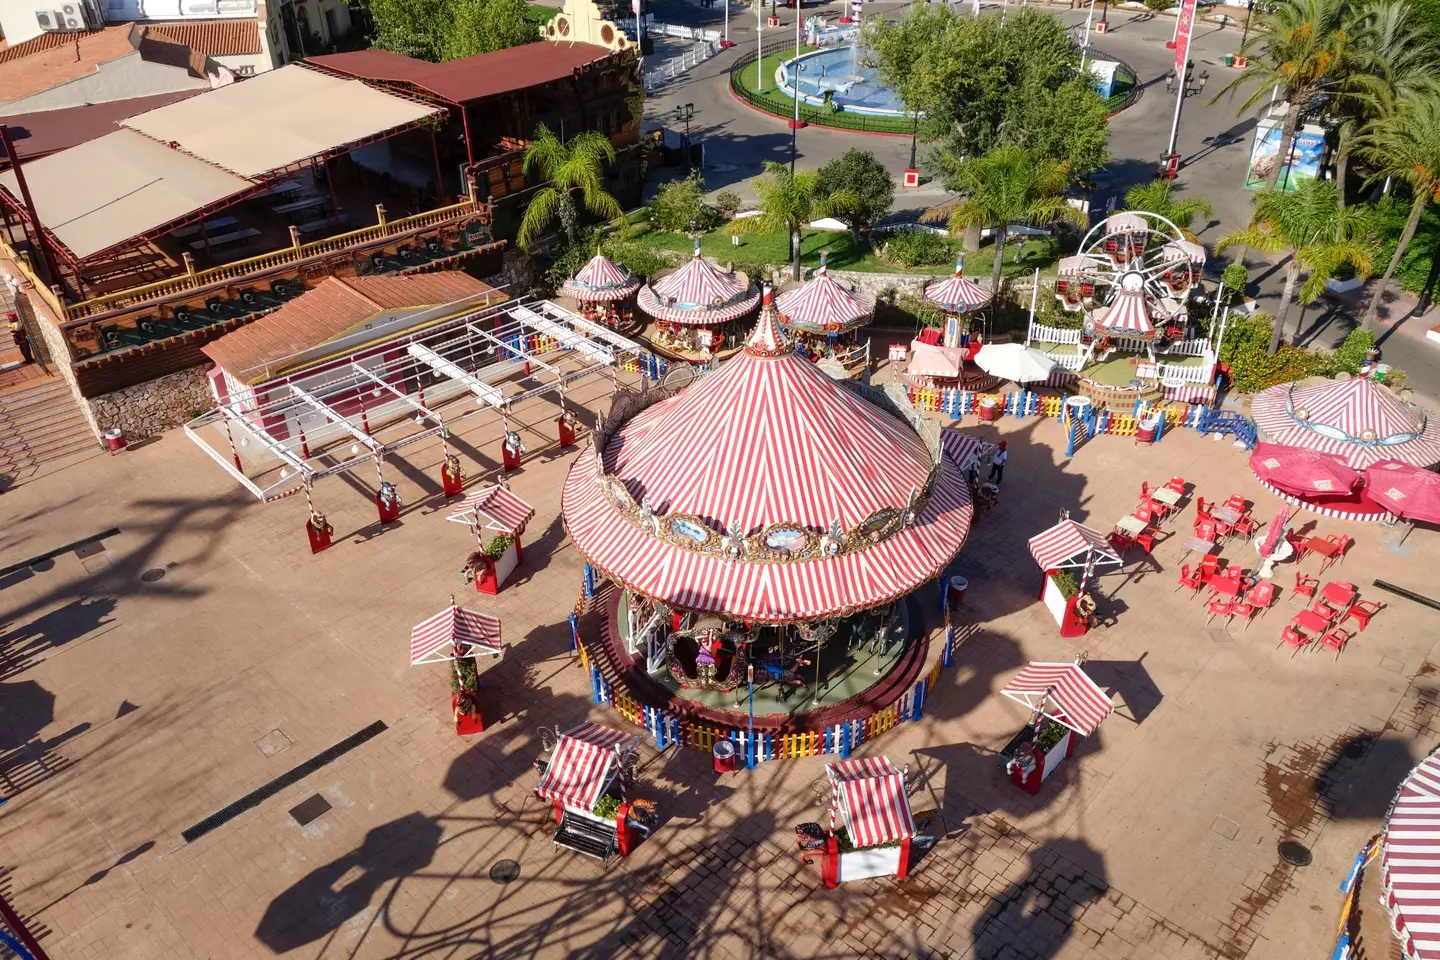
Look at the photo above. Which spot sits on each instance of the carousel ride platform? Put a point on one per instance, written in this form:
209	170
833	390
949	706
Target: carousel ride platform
850	688
646	335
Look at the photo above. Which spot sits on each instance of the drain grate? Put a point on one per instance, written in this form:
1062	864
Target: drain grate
505	871
1295	854
308	809
152	575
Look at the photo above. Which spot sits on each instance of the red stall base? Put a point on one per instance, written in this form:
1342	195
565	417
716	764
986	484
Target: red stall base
511	460
387	514
1073	625
453	485
468	723
485	582
319	539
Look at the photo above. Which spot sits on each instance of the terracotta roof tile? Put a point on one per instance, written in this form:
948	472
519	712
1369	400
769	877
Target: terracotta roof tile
327	311
213	38
55	58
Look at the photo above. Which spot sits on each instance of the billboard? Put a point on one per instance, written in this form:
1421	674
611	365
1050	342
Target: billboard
1307	152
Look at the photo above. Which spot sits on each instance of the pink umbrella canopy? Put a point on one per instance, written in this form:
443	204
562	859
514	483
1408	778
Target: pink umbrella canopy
1277	530
1301	471
1404	489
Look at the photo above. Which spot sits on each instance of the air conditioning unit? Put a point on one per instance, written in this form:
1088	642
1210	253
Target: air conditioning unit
70	16
199	8
48	21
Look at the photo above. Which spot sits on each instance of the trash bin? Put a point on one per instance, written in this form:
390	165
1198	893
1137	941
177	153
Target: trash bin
725	757
1229	59
958	586
989	410
114	439
1145	431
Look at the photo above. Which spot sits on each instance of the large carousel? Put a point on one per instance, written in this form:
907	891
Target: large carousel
605	292
766	526
828	318
944	359
697	309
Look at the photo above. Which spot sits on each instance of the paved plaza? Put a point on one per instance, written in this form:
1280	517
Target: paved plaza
134	708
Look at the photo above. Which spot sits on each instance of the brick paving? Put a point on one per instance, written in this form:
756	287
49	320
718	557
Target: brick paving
130	711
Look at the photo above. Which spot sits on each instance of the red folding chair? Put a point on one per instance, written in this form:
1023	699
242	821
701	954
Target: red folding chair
1261	596
1305	585
1236	502
1361	611
1146	540
1321	607
1220	608
1297	640
1246	526
1243	610
1120	541
1342	546
1177	484
1187	579
1335	639
1144	512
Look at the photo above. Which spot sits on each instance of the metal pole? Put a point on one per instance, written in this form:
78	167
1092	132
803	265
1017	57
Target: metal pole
727	24
1085	47
639	38
750	740
1179	99
1249	13
795	85
759	48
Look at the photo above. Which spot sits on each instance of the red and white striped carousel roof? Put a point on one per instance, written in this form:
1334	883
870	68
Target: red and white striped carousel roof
1067	544
453	633
767	439
872	794
703	294
502	510
1075	699
1410	861
822	305
1128	315
601	280
1357	419
1074	266
958	293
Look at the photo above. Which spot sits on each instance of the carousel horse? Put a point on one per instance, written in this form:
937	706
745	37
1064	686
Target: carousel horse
784	670
389	496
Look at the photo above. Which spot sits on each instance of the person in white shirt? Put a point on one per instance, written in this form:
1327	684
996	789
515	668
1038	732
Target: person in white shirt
997	464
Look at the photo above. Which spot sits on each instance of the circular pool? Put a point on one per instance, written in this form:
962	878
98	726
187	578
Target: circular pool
840	72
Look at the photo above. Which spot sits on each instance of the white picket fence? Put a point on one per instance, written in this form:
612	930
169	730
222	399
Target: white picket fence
684	33
1190	374
675	66
1043	334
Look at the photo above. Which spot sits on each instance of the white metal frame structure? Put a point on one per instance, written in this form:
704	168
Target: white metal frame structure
339	413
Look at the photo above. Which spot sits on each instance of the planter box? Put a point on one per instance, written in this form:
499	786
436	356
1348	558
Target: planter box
492	579
840	867
1029	778
1071	624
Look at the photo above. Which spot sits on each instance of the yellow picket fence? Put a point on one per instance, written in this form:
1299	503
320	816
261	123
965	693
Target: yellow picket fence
794	745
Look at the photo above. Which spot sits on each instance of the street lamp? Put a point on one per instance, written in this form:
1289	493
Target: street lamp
1170	159
686	113
1245	33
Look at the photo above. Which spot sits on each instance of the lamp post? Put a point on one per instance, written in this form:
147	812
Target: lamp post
750	740
1085	47
725	43
759	48
912	172
1170	160
686	113
795	122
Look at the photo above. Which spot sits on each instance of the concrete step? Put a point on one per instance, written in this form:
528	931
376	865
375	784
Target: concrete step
39	424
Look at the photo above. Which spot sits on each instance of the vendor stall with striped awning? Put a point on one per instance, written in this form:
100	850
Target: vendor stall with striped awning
1070	546
1065	704
868	799
587	781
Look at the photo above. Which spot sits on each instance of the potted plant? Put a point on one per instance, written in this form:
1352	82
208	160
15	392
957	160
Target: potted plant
1034	753
845	862
1062	597
501	557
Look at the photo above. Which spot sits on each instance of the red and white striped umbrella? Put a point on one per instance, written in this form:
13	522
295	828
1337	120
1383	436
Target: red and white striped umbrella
1128	315
1069	544
601	281
1410	861
1357	419
1301	471
957	294
1063	692
768	439
822	305
870	792
500	510
1404	489
699	294
1125	223
1181	251
455	633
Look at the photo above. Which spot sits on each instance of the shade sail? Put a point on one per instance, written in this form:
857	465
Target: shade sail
1070	544
1301	471
454	633
871	795
1063	692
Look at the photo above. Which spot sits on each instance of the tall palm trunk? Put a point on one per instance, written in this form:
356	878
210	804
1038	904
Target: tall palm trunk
795	245
1287	136
1342	169
1417	209
1292	275
971	240
999	262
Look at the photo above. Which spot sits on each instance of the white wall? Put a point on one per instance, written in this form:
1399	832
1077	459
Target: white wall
17	20
119	79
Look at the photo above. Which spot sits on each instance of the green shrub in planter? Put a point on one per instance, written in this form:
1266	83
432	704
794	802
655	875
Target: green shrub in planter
914	248
607	807
1049	735
1065	583
496	548
466	675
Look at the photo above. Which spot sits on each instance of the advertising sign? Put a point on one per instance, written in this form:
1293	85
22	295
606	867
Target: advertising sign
1307	151
1183	27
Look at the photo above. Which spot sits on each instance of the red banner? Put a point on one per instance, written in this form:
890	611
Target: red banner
1183	27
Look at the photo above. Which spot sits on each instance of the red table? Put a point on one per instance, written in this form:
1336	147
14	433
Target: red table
1329	551
1338	595
1311	622
1228	585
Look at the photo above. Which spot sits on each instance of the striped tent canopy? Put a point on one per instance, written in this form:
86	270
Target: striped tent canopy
1128	316
601	281
495	508
1181	251
957	294
1076	265
1070	544
1063	692
455	633
960	447
582	764
870	794
1357	419
767	440
1410	861
822	305
699	294
1125	223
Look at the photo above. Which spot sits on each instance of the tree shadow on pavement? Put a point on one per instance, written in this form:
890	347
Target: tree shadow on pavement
1359	777
1132	681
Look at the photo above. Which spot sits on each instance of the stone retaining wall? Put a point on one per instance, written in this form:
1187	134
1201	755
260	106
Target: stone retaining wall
155	406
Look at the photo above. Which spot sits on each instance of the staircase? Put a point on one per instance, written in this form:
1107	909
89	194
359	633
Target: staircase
40	423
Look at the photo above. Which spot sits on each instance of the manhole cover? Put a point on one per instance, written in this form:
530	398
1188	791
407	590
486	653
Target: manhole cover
308	809
153	574
1295	854
505	871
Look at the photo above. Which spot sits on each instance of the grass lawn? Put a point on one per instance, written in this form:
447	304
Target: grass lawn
1118	370
767	96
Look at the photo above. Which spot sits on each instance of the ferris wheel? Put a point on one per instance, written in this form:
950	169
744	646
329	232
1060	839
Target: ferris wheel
1132	276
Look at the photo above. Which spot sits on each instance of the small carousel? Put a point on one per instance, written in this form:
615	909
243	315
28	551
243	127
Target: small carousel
767	521
605	292
944	359
827	319
696	310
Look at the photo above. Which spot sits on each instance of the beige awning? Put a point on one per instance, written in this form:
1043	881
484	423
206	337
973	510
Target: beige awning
279	118
101	193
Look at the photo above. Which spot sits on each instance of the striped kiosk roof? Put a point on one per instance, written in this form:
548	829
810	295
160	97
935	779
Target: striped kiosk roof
767	442
1127	315
1063	692
577	772
1357	419
1125	223
1410	861
699	294
960	447
822	305
1069	544
601	281
501	510
871	795
1181	251
454	633
958	293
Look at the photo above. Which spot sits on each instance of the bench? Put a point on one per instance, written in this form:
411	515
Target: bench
324	223
590	837
219	223
305	203
234	236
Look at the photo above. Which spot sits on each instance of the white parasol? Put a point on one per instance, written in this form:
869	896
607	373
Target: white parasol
1014	361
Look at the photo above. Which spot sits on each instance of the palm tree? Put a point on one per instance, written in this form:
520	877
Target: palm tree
1405	144
1159	196
1303	47
787	201
1315	233
1011	185
566	168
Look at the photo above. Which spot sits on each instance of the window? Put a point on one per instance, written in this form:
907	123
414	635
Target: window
330	29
